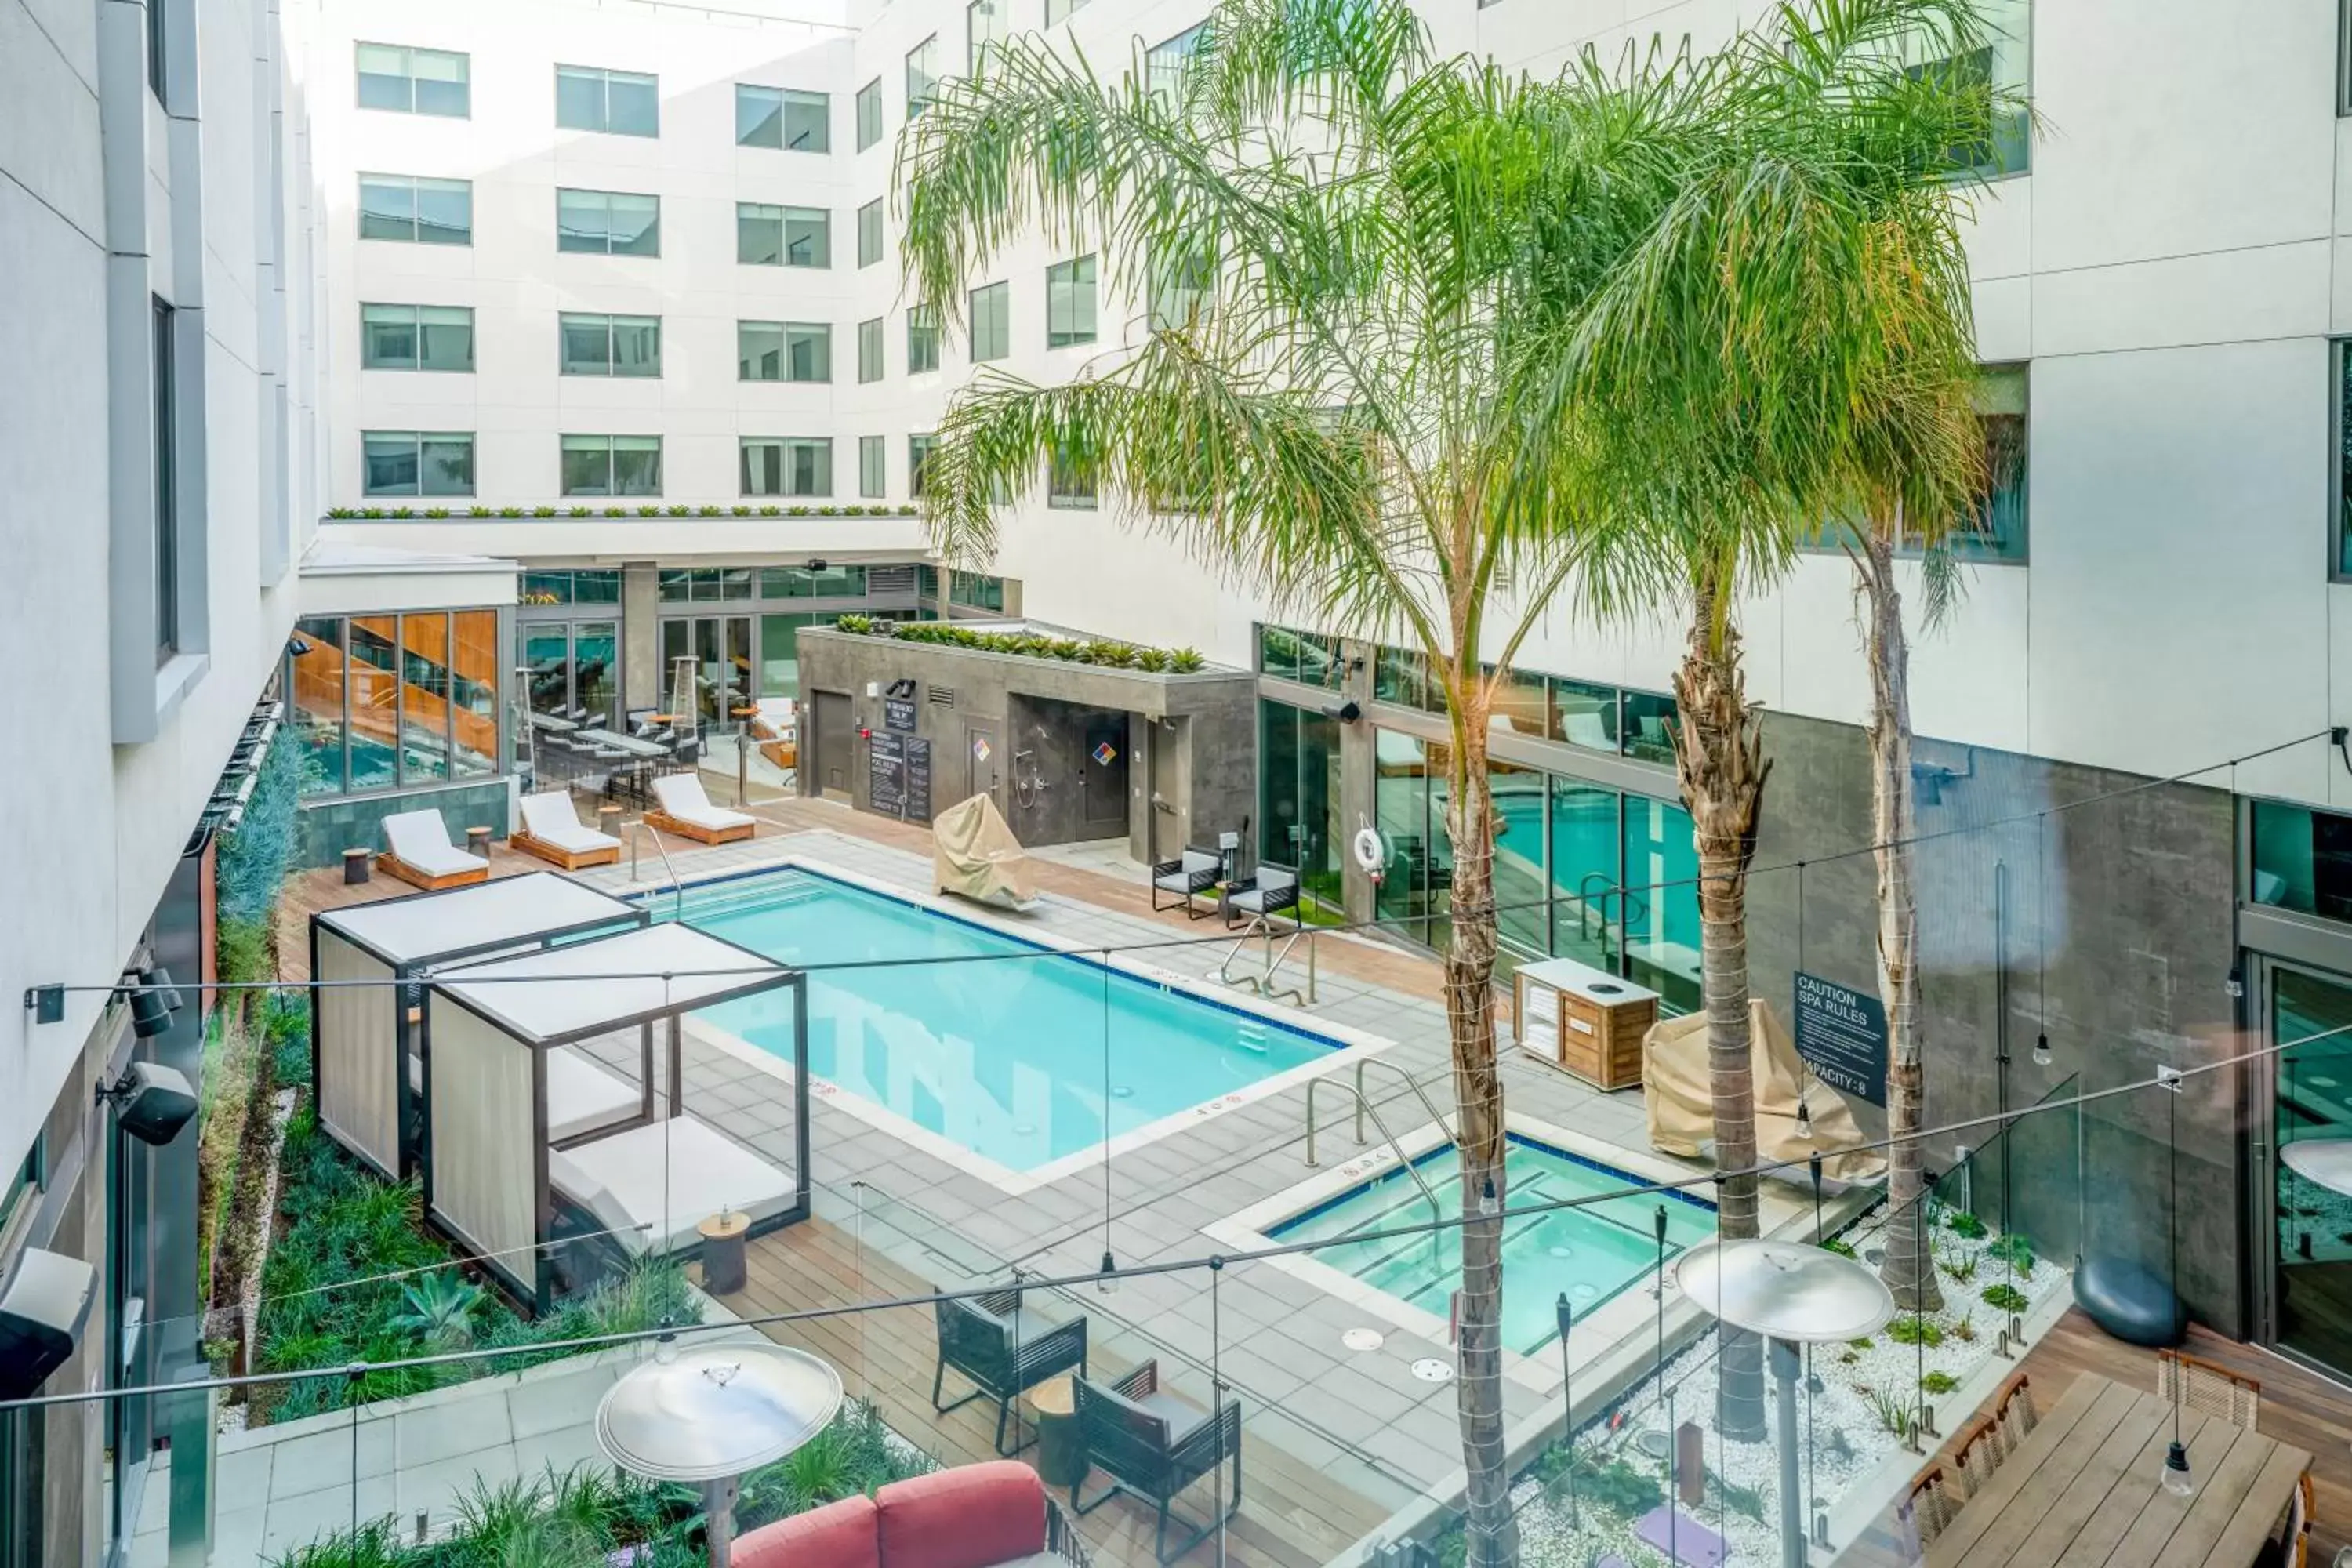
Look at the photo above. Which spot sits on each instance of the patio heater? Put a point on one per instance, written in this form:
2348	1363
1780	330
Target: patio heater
710	1415
1793	1295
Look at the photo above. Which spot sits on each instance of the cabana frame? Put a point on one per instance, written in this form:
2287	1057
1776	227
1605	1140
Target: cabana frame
405	1151
457	991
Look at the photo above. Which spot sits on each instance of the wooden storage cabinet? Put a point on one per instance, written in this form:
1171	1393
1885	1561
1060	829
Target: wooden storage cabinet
1584	1021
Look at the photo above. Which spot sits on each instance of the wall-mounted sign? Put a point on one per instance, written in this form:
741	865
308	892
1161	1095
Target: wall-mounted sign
1842	1036
898	776
899	713
980	748
1105	754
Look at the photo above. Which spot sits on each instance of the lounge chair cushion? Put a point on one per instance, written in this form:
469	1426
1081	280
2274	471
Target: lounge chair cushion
420	838
838	1535
652	1185
973	1516
551	818
583	1097
681	796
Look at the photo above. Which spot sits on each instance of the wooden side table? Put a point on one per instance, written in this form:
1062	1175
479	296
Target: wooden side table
477	840
355	867
1061	1447
722	1252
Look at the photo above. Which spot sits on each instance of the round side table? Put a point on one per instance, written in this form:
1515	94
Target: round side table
722	1252
1061	1450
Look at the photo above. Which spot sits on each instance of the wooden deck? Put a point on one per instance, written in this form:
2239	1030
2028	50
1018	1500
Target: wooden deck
1292	1515
2299	1407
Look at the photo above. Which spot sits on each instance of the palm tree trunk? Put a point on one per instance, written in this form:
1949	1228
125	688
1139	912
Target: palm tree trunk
1478	1125
1720	759
1908	1269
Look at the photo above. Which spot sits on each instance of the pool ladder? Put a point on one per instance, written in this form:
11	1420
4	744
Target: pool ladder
1364	1108
1261	927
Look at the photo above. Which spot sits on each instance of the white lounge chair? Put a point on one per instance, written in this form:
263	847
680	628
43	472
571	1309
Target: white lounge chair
686	811
417	849
652	1185
552	831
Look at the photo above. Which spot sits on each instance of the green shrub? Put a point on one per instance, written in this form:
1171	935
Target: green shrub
649	511
772	511
478	511
1893	1410
436	511
241	950
2005	1298
1916	1330
580	512
1185	660
340	512
711	511
1746	1501
509	512
1966	1225
681	511
285	1027
616	511
1965	1331
542	511
742	512
1960	1265
1837	1244
2015	1251
1619	1487
1939	1383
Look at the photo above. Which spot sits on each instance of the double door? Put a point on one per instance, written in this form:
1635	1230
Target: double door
707	662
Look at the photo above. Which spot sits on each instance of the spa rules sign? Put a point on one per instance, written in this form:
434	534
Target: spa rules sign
1842	1036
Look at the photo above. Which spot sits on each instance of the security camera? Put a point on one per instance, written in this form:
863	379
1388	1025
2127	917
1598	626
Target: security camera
41	1316
151	1103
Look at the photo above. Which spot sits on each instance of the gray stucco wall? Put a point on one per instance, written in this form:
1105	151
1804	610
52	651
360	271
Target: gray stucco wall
330	824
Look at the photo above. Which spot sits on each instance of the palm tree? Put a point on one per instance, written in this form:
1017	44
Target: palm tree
1791	344
1389	261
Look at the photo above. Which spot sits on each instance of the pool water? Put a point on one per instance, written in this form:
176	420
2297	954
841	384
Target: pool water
1003	1054
1588	1254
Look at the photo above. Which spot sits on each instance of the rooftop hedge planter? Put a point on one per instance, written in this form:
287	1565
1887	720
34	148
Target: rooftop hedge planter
1100	651
436	513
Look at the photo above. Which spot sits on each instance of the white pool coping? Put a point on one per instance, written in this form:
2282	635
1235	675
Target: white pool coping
1353	1045
1598	1334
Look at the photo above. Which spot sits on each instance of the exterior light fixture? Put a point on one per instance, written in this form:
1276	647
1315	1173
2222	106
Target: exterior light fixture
2041	1049
1489	1205
1108	1283
2177	1479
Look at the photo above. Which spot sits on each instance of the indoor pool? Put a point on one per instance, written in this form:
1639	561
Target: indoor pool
1002	1054
1589	1253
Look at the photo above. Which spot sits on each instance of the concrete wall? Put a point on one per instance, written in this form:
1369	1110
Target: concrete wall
329	825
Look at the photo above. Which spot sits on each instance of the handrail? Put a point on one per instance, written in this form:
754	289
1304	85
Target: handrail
1363	1106
1263	926
1411	1083
677	887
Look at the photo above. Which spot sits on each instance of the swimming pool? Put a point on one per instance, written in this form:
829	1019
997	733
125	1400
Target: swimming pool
1002	1055
1589	1253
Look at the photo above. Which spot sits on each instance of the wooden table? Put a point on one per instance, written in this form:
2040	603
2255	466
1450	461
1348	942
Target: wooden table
1061	1454
722	1252
2082	1491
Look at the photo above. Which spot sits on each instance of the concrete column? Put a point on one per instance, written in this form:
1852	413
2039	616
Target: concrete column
641	672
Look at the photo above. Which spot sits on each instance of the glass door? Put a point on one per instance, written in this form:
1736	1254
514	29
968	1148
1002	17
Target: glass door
2309	1310
720	649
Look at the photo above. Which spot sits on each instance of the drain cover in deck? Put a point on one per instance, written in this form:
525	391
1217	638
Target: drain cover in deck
1429	1369
1362	1339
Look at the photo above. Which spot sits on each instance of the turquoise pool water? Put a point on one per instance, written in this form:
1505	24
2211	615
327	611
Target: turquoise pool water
1002	1054
1589	1253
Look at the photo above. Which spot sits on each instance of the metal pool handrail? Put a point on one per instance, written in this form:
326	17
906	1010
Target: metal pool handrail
1262	925
1365	1107
1410	1082
677	887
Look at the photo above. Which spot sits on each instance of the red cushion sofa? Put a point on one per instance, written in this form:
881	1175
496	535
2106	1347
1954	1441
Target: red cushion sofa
994	1515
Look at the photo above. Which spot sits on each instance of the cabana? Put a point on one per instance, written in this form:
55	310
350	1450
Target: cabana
366	1052
498	1178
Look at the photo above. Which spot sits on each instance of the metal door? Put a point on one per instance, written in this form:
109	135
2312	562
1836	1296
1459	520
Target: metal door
982	757
1169	829
835	755
1102	778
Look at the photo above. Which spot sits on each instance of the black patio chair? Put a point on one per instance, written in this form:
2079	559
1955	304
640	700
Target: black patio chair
1270	891
1003	1351
1154	1446
1185	879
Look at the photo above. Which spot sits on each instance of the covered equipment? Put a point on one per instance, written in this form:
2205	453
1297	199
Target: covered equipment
975	855
1677	1092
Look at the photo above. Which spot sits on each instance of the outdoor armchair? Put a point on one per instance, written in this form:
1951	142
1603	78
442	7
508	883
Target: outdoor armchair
1002	1351
1191	874
1272	889
1152	1446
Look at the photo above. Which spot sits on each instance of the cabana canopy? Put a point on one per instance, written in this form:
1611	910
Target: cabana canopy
364	1051
502	1179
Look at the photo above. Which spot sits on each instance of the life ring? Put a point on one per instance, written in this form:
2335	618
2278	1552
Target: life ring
1369	852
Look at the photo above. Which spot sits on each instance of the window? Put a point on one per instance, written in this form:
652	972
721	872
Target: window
415	699
1998	530
922	339
784	118
1584	715
790	467
621	103
784	350
922	74
607	223
1182	287
165	368
707	585
869	351
869	232
587	585
416	337
158	52
800	583
1294	655
1058	11
611	464
769	235
984	23
2004	63
976	591
919	458
610	345
1070	481
869	114
414	210
1642	727
417	462
1070	303
411	81
873	461
1163	67
992	322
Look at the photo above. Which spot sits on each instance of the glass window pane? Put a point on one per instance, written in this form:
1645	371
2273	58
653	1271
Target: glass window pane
985	21
579	99
872	457
384	81
808	352
1585	846
1399	677
808	237
674	587
919	453
1070	303
387	207
922	74
447	464
1519	704
780	664
631	104
1997	531
869	114
587	466
637	345
1644	727
759	116
1584	715
808	121
474	692
735	583
315	706
1277	651
374	697
424	696
445	338
759	235
761	463
869	351
1661	902
586	344
992	322
760	351
442	82
581	221
869	232
1520	889
444	212
636	225
922	341
597	670
601	586
388	337
812	467
388	462
637	464
1401	811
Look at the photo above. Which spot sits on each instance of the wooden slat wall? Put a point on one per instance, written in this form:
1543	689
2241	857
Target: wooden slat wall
356	1042
483	1169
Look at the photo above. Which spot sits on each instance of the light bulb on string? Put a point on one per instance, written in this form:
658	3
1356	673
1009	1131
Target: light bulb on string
1109	1284
2177	1479
2041	1049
